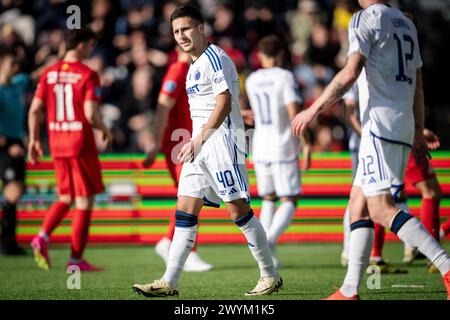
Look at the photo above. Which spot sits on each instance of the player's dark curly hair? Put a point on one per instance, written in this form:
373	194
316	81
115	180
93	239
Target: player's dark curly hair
187	11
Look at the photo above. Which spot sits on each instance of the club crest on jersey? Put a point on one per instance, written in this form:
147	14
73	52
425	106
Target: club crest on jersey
197	75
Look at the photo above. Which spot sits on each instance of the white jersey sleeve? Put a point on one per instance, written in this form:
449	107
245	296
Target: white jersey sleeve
221	78
290	90
362	30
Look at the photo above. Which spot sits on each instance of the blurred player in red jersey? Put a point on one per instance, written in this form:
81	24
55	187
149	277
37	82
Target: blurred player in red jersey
69	91
172	122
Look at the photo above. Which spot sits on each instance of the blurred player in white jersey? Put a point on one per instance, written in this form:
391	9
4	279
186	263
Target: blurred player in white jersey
274	100
385	51
214	160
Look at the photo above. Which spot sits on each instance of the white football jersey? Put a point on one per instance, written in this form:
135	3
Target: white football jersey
388	40
208	76
270	90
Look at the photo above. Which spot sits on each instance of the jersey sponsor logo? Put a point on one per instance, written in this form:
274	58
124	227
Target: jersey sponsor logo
197	75
170	86
193	89
65	126
219	80
52	76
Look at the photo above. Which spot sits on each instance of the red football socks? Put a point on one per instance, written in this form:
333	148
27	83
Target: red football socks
54	216
429	215
80	232
378	243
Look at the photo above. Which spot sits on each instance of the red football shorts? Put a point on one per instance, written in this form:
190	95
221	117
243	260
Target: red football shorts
415	173
78	177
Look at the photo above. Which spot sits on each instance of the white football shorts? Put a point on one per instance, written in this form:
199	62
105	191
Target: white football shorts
382	165
217	173
280	178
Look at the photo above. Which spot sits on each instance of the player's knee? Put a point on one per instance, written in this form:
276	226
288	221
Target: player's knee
270	197
381	209
66	198
84	203
292	199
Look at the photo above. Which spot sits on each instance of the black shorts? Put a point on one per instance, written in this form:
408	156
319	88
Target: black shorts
11	168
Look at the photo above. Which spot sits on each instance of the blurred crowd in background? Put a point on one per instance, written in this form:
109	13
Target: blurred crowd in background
135	47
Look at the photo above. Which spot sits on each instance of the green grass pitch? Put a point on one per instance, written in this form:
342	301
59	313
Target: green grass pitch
311	271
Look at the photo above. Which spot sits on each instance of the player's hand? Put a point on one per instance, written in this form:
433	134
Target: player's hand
301	121
431	139
107	137
420	150
34	151
189	151
306	154
248	117
151	157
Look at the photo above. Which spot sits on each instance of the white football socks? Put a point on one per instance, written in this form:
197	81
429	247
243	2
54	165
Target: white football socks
266	215
182	243
361	242
281	221
414	233
257	242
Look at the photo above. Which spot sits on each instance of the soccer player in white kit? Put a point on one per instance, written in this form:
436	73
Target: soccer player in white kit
274	99
385	51
214	160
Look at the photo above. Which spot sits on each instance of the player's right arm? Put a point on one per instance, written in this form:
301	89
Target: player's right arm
361	33
34	144
341	83
165	104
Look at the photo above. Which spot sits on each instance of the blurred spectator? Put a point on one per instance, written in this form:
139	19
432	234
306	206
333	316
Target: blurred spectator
301	23
137	111
13	110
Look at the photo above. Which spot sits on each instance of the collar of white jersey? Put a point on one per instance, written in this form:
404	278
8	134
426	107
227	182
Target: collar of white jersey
209	44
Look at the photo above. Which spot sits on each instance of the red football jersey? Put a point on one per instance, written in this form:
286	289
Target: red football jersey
64	87
174	85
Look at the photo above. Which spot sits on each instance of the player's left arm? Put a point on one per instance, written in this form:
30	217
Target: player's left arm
218	116
340	84
420	148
